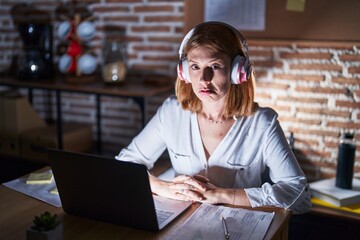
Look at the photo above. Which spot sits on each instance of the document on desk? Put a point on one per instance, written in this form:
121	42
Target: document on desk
39	191
206	223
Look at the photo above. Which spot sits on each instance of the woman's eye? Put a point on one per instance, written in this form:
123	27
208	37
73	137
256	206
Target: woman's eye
215	67
194	67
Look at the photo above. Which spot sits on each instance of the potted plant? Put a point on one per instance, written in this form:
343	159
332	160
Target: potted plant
46	227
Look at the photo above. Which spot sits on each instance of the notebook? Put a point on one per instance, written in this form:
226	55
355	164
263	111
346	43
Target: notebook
112	191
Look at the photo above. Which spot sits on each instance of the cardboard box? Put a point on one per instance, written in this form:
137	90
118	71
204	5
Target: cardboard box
76	137
16	116
9	145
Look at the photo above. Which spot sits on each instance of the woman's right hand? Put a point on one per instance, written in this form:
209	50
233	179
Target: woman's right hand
182	187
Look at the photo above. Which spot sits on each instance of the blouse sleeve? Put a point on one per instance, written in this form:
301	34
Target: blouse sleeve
149	144
290	189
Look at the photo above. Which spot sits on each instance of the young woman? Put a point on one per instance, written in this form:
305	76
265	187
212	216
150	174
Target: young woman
219	140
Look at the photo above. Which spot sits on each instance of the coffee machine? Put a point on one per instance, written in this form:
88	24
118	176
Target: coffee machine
36	58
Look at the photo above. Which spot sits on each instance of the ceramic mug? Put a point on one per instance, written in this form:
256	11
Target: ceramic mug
87	64
85	30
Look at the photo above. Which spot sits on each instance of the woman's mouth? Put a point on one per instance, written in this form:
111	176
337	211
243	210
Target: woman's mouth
205	91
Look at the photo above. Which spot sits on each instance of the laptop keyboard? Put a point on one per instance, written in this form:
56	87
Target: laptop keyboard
162	215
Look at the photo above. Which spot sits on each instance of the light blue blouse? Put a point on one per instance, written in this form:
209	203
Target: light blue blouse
251	144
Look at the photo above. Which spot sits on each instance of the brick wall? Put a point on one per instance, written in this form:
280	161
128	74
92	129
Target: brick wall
314	86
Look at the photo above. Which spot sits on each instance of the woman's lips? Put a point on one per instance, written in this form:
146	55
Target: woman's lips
205	91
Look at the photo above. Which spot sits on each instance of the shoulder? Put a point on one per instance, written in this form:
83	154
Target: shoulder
171	109
264	116
170	104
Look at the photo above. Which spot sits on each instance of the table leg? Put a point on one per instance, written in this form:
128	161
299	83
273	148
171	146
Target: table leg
141	101
59	120
98	123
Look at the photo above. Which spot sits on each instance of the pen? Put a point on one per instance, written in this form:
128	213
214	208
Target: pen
226	232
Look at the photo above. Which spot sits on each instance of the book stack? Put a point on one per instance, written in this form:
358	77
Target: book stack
327	191
40	178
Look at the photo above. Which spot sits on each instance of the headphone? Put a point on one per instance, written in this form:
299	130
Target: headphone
241	67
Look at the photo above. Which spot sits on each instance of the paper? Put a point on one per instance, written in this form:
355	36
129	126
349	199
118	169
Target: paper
38	191
205	223
295	5
243	14
40	178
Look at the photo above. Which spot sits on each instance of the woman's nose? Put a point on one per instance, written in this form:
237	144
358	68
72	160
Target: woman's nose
207	75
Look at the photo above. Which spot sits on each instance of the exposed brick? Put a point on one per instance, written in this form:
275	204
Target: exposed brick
340	103
323	111
124	1
302	77
310	152
303	99
261	53
150	29
161	48
300	120
326	56
106	9
272	85
169	18
354	70
347	57
121	19
321	90
263	95
269	64
152	9
333	45
314	132
345	125
161	58
269	43
260	73
321	67
307	142
165	39
150	67
343	80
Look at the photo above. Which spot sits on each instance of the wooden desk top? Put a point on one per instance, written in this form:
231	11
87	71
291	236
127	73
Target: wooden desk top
129	88
17	211
334	213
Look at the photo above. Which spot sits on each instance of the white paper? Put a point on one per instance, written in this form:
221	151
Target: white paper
205	223
38	191
241	14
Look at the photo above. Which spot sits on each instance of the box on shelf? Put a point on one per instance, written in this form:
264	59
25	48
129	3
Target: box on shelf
16	116
9	145
76	137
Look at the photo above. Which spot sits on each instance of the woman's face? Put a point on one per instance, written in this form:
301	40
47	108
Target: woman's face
209	73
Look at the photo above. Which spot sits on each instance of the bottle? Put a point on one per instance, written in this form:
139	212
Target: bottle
114	64
345	161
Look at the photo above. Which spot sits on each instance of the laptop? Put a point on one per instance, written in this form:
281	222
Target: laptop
109	190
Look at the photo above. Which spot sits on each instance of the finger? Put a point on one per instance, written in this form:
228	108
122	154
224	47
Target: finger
195	184
189	195
181	178
201	178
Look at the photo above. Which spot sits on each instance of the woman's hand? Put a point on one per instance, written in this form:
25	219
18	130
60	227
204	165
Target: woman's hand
182	187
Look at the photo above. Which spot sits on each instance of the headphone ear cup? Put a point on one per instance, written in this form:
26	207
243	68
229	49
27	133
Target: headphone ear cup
183	71
239	70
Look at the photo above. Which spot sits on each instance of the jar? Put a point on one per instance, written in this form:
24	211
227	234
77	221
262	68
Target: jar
345	161
114	63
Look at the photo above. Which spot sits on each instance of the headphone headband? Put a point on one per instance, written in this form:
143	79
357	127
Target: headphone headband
241	67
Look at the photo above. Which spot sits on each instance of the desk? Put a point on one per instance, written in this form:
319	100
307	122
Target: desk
335	213
17	211
137	91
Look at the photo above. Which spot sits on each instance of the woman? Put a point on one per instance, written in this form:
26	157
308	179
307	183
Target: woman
219	140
